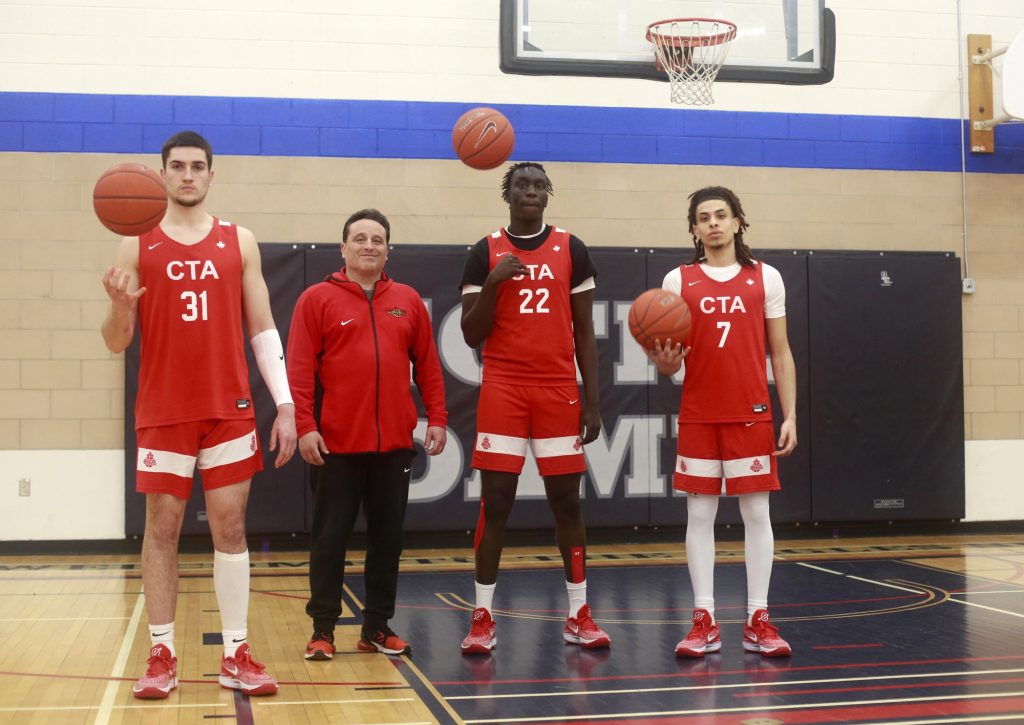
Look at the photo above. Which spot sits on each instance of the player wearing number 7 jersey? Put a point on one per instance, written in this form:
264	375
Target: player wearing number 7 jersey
527	297
738	306
188	284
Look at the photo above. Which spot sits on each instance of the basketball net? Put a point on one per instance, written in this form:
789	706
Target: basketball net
691	51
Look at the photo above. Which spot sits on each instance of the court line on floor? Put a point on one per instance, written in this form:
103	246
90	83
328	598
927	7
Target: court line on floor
736	685
859	578
823	706
62	619
127	639
985	606
140	706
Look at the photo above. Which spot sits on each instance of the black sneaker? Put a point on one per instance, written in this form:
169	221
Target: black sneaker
383	640
321	647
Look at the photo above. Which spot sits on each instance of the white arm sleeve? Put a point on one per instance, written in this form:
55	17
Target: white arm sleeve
270	360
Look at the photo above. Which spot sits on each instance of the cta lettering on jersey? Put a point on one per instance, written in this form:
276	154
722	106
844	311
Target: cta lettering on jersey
537	271
726	305
189	268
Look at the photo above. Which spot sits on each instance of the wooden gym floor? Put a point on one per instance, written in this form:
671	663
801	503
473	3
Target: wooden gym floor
898	630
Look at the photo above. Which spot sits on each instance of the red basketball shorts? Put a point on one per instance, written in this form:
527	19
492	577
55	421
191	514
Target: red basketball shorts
227	451
508	417
741	453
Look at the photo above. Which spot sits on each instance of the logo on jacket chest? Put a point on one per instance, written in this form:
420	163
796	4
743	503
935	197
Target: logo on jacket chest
191	269
396	312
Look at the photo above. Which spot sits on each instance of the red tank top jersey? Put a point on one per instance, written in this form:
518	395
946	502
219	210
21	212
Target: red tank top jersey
190	321
531	340
726	378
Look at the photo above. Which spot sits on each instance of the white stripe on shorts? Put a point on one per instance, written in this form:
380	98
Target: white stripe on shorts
228	452
554	447
699	467
494	443
753	466
154	461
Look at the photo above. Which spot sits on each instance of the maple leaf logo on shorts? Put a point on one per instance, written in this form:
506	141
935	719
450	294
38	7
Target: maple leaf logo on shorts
150	460
485	443
756	466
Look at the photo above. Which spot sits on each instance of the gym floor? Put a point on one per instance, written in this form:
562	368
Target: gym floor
895	629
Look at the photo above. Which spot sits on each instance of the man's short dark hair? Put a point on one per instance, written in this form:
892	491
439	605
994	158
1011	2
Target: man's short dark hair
187	139
367	214
506	181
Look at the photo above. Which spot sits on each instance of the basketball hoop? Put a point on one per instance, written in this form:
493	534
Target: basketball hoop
691	51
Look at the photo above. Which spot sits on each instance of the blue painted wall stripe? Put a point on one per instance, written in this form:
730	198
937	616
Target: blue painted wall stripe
97	123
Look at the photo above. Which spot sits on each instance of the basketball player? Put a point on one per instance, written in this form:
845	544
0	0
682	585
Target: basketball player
527	296
357	334
725	422
188	283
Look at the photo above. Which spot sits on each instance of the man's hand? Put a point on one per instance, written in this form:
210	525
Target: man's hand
668	358
311	445
590	423
508	267
434	440
115	282
283	434
787	438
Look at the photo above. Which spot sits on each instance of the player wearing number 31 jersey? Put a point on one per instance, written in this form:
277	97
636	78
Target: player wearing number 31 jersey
192	306
187	285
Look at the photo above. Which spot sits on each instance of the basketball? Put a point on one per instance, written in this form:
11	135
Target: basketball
483	138
129	199
658	314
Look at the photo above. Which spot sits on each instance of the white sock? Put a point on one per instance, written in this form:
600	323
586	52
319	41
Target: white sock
231	582
700	549
577	596
485	595
163	634
758	549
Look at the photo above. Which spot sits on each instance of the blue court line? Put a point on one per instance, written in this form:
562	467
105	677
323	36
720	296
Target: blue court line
136	124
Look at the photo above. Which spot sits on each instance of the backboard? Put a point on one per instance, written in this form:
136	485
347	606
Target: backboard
777	41
1013	78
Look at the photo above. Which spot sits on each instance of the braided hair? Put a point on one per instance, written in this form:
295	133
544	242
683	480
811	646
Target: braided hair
743	255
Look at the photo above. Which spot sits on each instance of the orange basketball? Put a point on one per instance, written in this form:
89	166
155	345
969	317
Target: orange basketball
129	199
483	138
658	314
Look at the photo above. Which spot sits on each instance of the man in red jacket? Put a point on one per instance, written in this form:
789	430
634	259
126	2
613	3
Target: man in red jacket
357	333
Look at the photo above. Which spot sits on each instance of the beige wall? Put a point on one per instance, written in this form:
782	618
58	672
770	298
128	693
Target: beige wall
61	389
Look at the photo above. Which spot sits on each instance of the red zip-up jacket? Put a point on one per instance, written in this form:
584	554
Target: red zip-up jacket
361	353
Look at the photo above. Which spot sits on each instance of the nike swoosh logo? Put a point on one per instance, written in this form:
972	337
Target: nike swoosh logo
489	126
154	246
237	641
691	284
345	322
750	424
573	402
500	254
574	628
407	469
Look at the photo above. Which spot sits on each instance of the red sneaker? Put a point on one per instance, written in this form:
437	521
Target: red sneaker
483	634
583	630
242	672
762	636
321	647
704	637
383	640
161	675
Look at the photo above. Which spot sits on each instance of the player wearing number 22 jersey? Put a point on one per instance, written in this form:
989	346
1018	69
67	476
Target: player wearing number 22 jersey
527	298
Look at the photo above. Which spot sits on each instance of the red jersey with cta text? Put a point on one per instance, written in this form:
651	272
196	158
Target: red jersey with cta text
190	324
531	340
726	378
